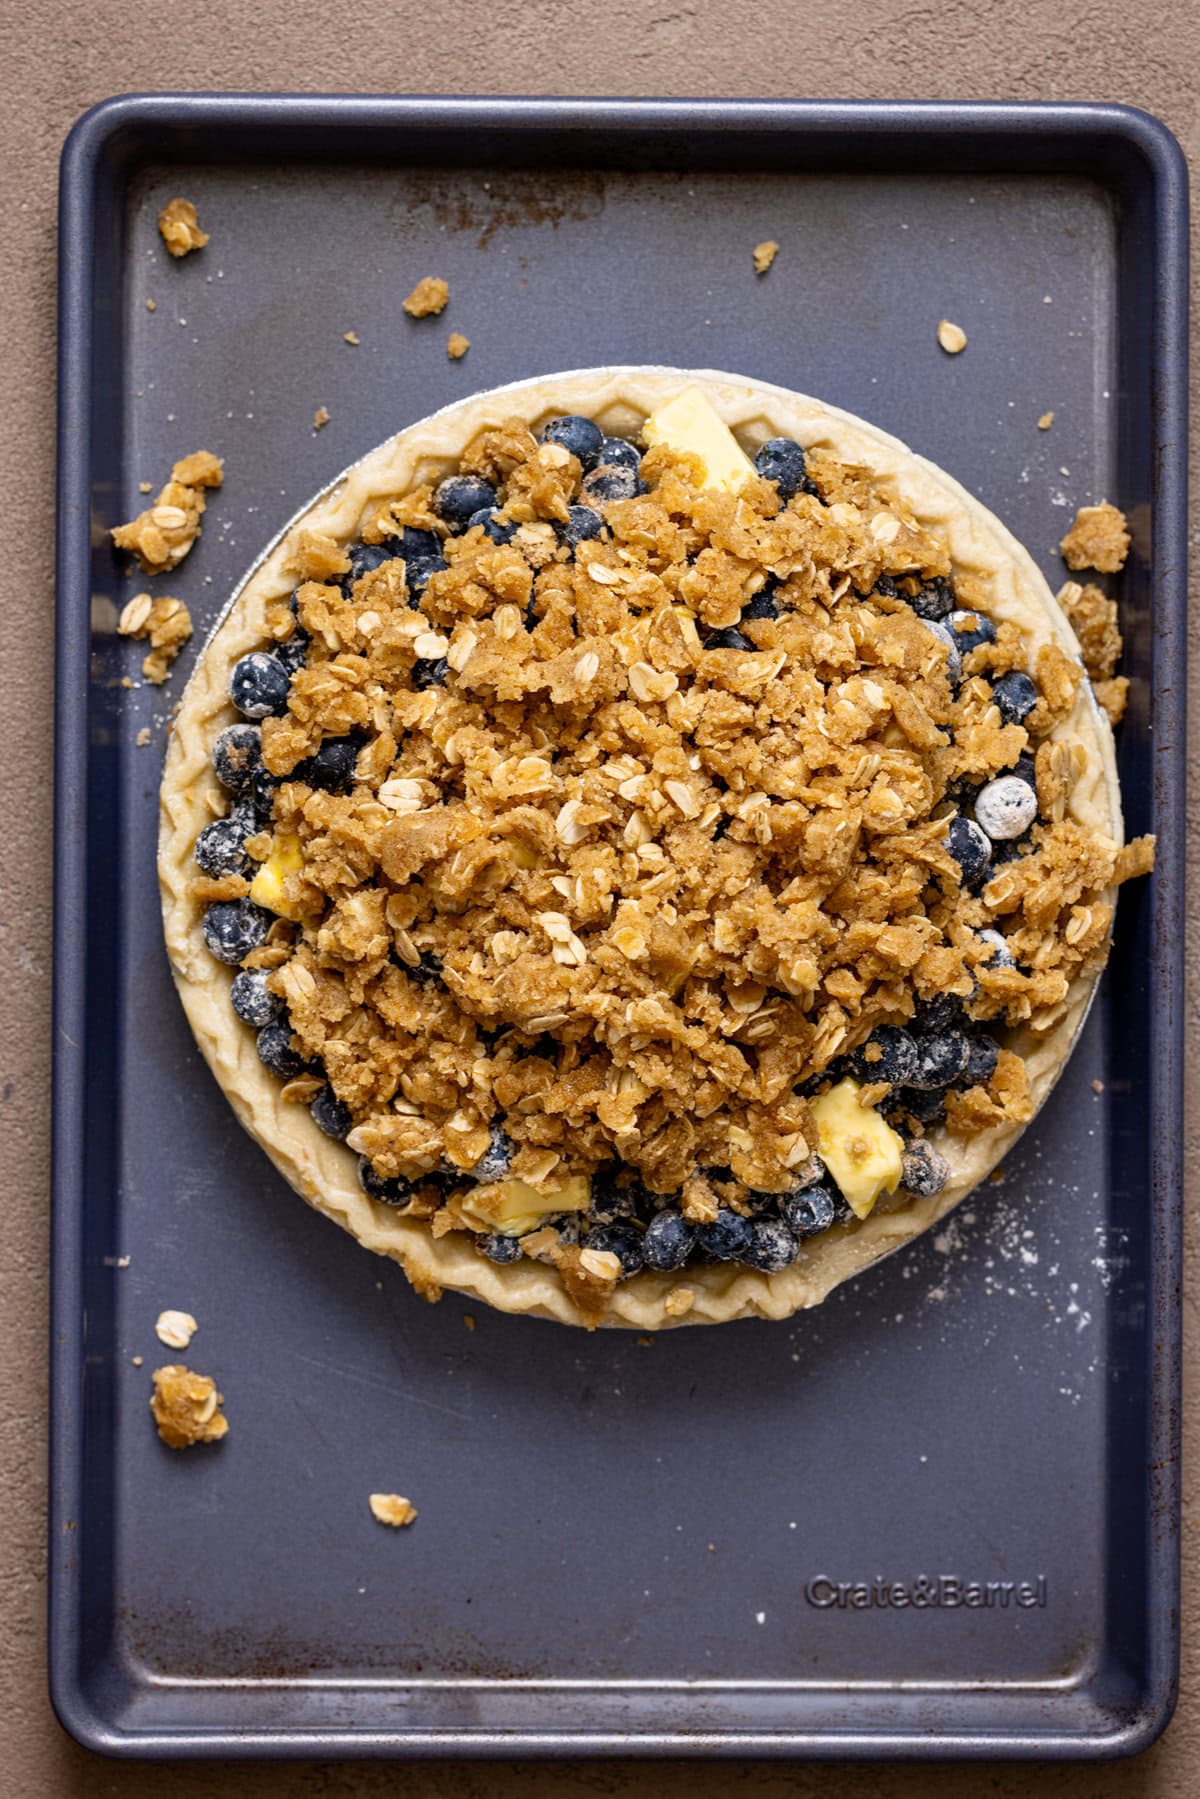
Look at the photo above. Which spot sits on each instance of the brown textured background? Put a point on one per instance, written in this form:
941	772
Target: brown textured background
60	58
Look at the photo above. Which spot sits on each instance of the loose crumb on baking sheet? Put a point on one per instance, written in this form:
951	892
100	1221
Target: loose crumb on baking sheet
1099	538
166	622
457	346
151	305
320	417
352	338
1045	422
1097	1086
186	1407
161	536
392	1509
143	737
951	337
175	1329
428	296
764	255
180	228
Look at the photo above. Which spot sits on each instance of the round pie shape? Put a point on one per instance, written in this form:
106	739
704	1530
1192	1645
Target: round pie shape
323	1171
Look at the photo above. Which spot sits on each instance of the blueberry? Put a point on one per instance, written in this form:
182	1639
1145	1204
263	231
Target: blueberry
941	1058
667	1243
727	1236
623	1240
496	1159
1006	807
782	461
926	1108
576	434
262	793
365	558
220	849
294	653
582	522
763	604
458	496
933	599
896	1058
771	1247
332	768
330	1115
945	635
924	1171
237	756
429	968
971	629
396	1192
1002	956
618	452
981	1062
1015	695
498	1248
418	572
611	484
253	1001
970	847
232	928
809	1213
258	685
430	674
1025	769
886	585
945	1013
728	639
418	546
276	1054
499	530
1011	851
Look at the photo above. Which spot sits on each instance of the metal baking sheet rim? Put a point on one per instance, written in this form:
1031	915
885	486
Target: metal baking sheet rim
88	142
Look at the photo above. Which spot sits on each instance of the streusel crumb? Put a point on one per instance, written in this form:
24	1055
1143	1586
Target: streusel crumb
320	418
168	625
1093	617
1098	539
428	296
180	228
457	346
186	1407
393	1509
764	255
161	536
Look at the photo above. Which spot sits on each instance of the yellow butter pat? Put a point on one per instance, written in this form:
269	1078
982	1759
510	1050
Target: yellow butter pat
266	889
514	1207
688	424
860	1149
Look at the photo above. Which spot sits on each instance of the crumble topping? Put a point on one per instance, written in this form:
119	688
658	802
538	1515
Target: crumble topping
1094	618
161	536
457	346
391	1508
428	296
168	625
1045	422
1098	539
764	255
608	824
180	229
320	418
186	1407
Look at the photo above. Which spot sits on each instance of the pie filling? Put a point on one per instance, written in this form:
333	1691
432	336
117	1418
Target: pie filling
639	855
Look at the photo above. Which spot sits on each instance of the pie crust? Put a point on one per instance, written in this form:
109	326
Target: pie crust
324	1172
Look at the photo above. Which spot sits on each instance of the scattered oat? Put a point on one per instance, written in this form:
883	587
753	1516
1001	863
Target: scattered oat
137	1360
951	337
143	737
1045	422
180	228
469	1320
457	346
1097	1086
320	417
428	296
151	305
391	1508
166	622
1098	539
161	536
175	1329
764	255
646	1342
186	1407
123	1261
145	487
351	337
